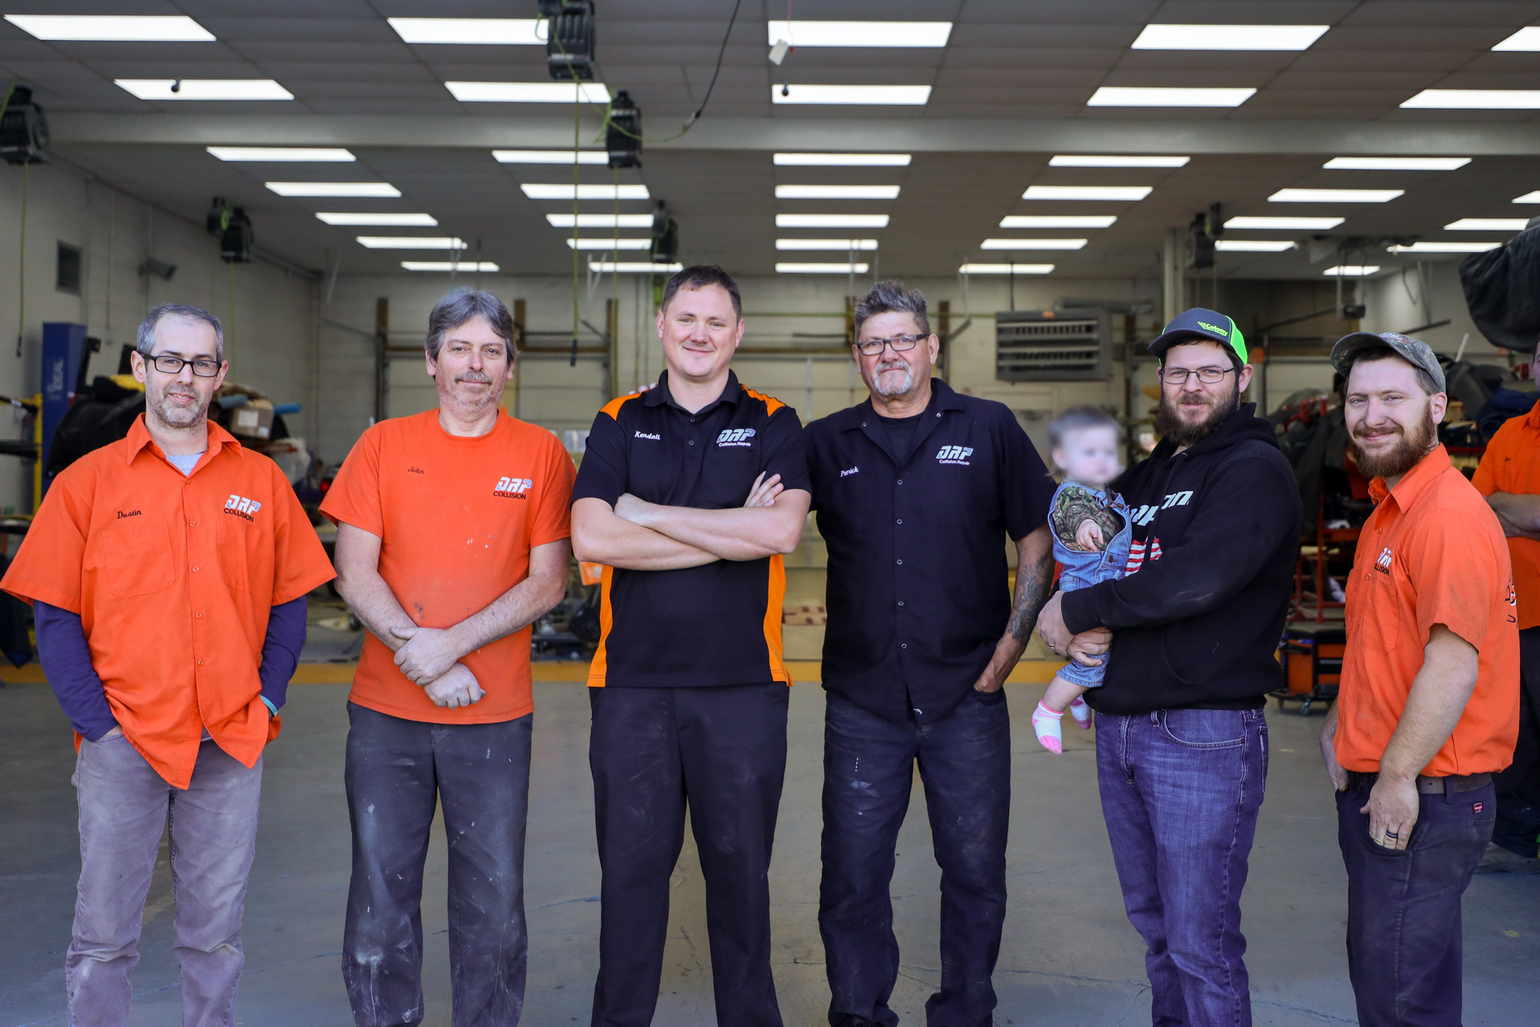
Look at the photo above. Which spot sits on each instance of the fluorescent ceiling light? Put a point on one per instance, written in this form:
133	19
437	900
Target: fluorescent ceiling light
1487	225
1032	244
377	189
595	191
1476	99
1058	221
1167	96
1228	37
836	192
464	266
859	33
632	267
600	221
1285	224
1086	192
842	245
551	156
859	268
842	160
831	221
1335	195
914	95
383	220
1351	270
1445	247
127	28
1111	161
473	31
283	153
1005	269
1395	163
1533	197
411	242
1526	39
205	88
529	92
598	243
1253	245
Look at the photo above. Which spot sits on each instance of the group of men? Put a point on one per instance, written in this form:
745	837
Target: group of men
168	574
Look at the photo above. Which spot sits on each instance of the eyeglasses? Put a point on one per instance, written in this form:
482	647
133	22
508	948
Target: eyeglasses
900	344
1206	375
203	367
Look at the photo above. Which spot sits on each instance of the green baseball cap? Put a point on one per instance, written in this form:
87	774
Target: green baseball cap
1201	323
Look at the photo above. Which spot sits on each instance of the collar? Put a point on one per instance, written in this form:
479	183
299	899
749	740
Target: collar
1532	419
942	397
660	395
1410	486
139	438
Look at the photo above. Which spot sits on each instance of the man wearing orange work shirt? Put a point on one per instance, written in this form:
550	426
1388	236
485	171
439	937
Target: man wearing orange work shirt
1509	476
1428	708
452	530
167	574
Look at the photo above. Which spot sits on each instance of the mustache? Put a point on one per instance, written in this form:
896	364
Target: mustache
892	365
480	377
1363	431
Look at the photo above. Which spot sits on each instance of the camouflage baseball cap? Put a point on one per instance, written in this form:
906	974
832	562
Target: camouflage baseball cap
1414	351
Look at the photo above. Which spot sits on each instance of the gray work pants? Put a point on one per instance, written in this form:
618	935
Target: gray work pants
124	808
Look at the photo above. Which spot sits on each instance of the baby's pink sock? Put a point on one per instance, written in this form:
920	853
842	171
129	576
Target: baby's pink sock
1081	712
1046	723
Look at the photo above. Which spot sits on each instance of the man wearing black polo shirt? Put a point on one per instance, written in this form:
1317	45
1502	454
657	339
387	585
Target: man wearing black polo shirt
916	490
689	494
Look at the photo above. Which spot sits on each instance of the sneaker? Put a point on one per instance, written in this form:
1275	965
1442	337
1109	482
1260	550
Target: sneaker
1499	860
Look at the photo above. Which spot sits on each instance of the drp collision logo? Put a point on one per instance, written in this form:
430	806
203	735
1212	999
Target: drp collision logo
955	455
512	488
735	437
240	506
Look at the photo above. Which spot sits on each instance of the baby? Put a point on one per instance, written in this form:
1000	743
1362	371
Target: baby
1091	532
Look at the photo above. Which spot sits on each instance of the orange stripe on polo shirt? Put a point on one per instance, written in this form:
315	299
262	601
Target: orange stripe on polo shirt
775	605
600	664
771	403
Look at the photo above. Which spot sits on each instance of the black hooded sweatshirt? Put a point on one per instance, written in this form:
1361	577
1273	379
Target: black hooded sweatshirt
1216	529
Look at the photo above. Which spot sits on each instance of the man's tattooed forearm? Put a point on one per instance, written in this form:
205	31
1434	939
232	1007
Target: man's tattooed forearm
1031	593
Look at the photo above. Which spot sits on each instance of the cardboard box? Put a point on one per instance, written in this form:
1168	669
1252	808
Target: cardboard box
254	420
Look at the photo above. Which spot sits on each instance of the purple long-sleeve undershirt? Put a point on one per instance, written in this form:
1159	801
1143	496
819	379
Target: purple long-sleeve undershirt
66	660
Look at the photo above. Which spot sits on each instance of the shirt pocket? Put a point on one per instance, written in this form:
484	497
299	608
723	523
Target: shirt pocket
232	536
139	559
1380	624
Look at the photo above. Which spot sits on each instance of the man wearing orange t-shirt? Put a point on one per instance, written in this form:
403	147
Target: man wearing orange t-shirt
1509	476
167	574
1428	708
452	530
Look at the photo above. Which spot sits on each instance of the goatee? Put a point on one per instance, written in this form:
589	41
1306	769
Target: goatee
1403	456
1170	426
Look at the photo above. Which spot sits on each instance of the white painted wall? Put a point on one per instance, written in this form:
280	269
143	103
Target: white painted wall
1421	294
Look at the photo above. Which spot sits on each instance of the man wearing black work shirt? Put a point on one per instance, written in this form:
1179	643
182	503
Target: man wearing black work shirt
689	494
916	490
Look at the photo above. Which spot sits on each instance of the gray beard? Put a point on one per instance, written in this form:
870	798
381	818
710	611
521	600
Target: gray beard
888	392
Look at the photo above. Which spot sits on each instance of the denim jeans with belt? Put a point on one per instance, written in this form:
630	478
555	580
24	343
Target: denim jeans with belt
1180	793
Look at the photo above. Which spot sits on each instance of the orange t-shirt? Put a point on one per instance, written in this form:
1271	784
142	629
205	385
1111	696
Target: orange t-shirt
1512	464
173	577
1431	553
457	518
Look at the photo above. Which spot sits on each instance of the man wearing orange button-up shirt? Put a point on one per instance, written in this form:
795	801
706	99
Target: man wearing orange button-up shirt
167	574
1429	705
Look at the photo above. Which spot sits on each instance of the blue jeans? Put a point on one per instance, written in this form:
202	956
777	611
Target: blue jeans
1180	794
965	765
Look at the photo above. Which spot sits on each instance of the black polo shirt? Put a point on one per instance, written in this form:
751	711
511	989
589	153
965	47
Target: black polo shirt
719	624
918	589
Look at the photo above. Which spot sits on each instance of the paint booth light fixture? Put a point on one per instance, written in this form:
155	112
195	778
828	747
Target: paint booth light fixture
640	267
842	160
462	266
115	28
836	192
851	95
1112	193
1104	160
1487	225
1395	163
1532	197
1445	247
358	189
1285	224
1005	269
551	156
1168	96
1526	39
276	154
1351	270
1252	245
600	221
1228	37
1475	100
832	245
591	191
204	88
1335	195
831	221
1058	220
858	268
859	33
411	242
600	243
529	92
1033	244
384	219
471	31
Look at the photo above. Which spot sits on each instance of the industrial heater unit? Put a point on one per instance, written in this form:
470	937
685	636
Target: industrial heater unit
1053	345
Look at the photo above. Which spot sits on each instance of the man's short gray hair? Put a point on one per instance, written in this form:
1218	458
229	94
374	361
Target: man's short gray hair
462	305
146	343
891	297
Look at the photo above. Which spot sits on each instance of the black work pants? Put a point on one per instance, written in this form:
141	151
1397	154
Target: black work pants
721	752
397	771
1518	787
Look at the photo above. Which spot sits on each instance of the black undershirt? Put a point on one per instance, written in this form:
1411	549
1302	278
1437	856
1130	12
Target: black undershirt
900	436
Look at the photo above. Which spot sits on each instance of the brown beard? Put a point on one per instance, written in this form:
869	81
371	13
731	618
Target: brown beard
1172	427
1403	456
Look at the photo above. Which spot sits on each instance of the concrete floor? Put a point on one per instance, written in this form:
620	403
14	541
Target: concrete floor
1069	956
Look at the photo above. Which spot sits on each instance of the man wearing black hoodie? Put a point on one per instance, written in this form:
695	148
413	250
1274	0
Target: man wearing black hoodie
1180	735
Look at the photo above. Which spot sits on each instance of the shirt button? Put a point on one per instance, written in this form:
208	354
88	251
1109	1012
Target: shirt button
904	645
692	420
192	524
900	602
900	563
199	616
195	570
901	520
900	481
200	663
692	442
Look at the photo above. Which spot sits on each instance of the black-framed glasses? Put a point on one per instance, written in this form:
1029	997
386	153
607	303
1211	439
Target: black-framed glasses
1206	375
203	367
900	344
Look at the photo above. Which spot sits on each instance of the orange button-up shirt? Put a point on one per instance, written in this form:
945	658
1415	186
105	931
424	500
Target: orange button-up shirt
1431	553
173	577
1512	464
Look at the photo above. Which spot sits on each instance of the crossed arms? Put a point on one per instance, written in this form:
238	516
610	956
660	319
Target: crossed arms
1518	513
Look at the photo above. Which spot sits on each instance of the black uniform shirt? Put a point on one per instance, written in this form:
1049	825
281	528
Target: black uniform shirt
918	593
718	624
